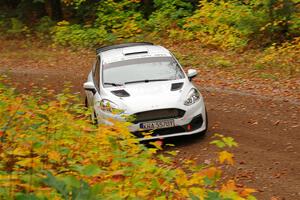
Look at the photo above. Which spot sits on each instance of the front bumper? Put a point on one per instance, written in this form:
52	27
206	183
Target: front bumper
195	126
192	122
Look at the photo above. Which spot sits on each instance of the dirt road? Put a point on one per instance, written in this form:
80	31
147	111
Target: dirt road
267	130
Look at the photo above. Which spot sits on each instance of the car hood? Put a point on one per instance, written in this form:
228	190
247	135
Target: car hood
151	96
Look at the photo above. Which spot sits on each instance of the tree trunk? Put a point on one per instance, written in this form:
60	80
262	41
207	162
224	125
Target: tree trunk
55	10
12	4
147	7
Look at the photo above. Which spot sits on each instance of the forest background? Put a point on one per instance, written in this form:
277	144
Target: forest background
267	30
87	23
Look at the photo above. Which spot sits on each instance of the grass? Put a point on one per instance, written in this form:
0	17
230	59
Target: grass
221	62
268	76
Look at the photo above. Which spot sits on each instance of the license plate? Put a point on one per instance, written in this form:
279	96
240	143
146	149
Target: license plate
157	124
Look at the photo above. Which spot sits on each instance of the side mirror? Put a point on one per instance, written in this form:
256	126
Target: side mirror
192	73
89	86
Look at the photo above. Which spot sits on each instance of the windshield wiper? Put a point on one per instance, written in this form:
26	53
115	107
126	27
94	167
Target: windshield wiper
147	80
113	84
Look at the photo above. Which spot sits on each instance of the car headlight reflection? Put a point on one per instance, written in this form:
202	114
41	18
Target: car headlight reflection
110	107
192	97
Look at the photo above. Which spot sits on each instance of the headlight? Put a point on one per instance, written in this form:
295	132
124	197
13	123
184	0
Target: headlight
192	97
109	107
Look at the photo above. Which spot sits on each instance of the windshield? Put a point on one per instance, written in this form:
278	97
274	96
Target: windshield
141	70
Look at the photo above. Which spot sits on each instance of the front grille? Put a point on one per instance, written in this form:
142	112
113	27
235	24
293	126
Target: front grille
171	113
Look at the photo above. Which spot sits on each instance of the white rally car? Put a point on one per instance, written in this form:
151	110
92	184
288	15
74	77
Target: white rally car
145	81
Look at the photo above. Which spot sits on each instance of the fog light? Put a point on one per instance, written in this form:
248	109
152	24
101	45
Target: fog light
189	127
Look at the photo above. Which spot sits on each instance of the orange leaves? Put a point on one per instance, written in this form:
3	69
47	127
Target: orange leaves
231	186
225	156
210	172
118	175
88	129
54	155
247	191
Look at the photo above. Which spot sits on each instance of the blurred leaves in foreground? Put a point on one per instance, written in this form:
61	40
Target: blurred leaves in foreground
50	150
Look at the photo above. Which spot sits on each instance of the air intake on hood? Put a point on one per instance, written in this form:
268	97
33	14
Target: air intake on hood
138	52
120	93
176	86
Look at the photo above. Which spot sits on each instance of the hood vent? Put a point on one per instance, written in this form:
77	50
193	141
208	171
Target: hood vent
132	53
120	93
176	86
135	50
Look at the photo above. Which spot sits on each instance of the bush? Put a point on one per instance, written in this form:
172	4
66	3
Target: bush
2	23
79	36
49	150
114	20
227	24
44	27
169	13
284	57
281	19
233	24
17	28
121	18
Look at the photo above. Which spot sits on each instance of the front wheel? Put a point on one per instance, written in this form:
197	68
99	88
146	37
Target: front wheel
86	102
93	115
94	118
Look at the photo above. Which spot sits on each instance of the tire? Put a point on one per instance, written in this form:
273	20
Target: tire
93	116
94	119
86	102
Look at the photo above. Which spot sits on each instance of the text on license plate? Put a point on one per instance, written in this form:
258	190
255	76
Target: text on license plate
157	124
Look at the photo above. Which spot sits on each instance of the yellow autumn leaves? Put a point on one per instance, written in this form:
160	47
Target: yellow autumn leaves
50	150
226	157
241	193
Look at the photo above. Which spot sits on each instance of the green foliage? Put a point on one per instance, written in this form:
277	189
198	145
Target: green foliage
79	36
121	18
113	20
17	28
169	13
224	141
44	25
232	24
268	76
282	18
222	62
225	24
281	57
2	23
49	150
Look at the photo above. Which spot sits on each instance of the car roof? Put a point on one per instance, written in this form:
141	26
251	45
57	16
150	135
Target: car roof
129	51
